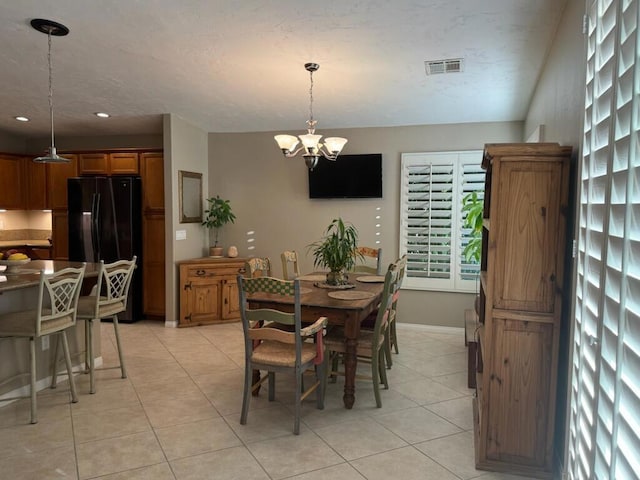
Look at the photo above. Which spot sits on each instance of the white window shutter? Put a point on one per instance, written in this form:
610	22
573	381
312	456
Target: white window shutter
472	178
604	428
431	232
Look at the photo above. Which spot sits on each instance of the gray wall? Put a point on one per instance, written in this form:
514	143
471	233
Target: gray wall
185	148
98	142
558	104
558	99
269	196
12	144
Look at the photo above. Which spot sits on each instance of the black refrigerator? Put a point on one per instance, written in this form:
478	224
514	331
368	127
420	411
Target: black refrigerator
105	223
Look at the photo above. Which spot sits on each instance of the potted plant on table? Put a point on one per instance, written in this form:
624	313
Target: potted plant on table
336	251
216	216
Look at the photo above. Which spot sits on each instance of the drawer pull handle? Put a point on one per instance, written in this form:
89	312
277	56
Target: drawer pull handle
200	272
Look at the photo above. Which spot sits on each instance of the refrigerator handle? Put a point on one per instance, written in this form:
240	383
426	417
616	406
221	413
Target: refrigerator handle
95	227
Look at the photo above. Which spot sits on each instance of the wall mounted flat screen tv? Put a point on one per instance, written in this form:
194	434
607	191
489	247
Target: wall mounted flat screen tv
350	176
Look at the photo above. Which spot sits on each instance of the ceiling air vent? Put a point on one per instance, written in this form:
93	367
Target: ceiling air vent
451	65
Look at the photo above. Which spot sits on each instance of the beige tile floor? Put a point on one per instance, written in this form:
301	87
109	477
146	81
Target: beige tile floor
177	417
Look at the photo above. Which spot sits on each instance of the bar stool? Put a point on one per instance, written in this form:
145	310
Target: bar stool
107	299
55	312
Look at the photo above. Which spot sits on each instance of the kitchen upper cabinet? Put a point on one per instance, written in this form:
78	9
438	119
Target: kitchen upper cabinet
120	163
125	163
57	175
34	185
93	164
152	172
11	182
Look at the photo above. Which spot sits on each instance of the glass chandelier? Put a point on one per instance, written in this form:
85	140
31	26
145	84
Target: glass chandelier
311	145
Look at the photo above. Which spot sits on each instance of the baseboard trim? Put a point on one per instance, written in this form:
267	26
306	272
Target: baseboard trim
431	328
10	396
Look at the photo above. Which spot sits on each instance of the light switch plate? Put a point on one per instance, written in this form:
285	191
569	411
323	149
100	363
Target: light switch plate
181	234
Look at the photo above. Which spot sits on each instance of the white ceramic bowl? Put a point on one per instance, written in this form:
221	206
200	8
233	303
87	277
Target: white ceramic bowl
14	265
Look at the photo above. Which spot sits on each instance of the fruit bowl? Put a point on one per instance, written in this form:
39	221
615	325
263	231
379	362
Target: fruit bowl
14	265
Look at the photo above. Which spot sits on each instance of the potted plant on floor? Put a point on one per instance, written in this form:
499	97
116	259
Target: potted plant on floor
336	251
473	207
216	216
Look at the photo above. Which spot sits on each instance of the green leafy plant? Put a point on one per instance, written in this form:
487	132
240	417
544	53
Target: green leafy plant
337	250
473	207
217	215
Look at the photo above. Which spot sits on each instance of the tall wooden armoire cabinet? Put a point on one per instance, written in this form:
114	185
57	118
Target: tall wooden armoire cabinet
523	250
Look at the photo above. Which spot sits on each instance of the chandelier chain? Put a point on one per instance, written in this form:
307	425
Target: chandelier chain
311	99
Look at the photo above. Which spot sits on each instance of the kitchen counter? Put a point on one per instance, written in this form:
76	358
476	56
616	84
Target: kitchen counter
29	274
24	243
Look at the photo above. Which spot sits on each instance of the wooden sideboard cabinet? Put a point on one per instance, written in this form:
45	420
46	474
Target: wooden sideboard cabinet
209	290
521	295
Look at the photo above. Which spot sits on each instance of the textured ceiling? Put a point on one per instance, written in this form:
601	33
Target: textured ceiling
238	66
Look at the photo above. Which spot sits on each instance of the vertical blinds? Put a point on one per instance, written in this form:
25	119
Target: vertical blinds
604	428
431	232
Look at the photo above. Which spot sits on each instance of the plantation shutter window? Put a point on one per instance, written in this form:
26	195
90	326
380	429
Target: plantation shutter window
431	232
604	423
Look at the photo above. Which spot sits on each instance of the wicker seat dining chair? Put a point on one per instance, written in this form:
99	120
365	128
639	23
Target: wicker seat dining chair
371	259
106	300
270	347
290	257
258	267
54	313
371	343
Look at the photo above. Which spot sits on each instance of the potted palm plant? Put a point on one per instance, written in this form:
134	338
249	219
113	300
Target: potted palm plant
216	216
337	251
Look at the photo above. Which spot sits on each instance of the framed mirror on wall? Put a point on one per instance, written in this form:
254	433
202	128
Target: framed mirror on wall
190	194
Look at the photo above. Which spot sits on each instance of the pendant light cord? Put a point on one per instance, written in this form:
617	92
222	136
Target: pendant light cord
50	86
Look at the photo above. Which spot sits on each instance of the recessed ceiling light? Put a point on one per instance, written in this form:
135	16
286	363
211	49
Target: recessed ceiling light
102	115
21	119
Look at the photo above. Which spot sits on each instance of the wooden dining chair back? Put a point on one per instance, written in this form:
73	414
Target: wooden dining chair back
392	338
371	259
290	258
258	267
55	313
371	343
107	299
275	342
